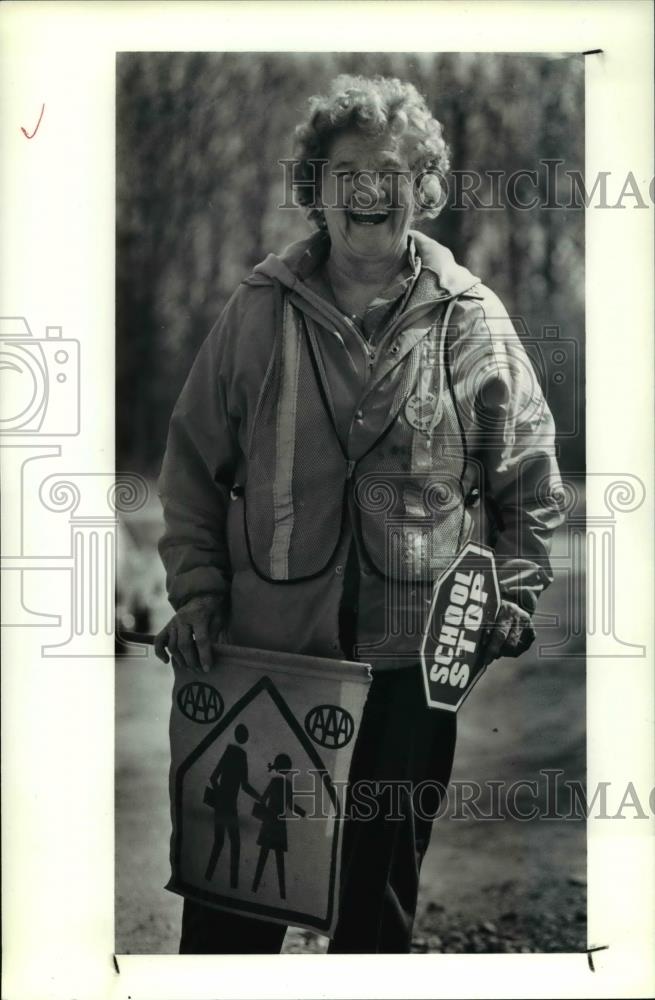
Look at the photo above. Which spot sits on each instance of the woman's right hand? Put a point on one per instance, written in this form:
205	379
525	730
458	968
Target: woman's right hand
191	632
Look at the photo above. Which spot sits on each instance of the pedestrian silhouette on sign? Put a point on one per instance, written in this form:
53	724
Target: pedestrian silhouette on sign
277	800
227	779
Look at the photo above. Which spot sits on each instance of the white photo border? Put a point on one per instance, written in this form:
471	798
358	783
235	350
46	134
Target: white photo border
58	246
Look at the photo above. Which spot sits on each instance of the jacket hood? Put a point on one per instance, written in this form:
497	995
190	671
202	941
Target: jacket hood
301	258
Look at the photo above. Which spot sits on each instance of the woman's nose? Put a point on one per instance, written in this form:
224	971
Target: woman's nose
369	190
381	188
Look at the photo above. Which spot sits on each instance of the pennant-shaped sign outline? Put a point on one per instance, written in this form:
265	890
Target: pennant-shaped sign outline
277	663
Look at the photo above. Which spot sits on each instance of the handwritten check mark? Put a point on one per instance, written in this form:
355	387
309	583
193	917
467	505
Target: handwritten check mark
26	134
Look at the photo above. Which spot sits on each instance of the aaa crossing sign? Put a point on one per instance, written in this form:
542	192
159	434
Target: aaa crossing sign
260	756
466	600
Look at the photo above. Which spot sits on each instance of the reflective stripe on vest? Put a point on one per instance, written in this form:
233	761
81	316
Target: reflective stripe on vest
285	444
297	472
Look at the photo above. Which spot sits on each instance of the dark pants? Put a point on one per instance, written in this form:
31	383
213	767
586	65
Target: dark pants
408	750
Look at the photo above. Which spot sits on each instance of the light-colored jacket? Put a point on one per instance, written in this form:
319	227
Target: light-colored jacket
451	440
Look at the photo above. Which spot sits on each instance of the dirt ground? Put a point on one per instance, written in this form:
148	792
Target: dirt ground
486	885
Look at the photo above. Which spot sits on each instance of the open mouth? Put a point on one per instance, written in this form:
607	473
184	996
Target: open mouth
367	218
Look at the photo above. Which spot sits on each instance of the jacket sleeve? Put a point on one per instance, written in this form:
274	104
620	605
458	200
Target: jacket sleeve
197	473
511	438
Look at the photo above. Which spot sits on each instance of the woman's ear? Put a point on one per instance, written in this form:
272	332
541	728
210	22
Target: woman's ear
430	194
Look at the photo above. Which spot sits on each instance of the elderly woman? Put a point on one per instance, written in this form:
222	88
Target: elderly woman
359	410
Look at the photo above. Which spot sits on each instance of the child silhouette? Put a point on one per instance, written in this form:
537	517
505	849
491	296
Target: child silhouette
278	799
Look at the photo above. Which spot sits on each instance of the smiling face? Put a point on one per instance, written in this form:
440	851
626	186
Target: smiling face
367	198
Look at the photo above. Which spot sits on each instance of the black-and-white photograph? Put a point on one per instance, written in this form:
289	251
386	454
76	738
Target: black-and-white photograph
326	346
351	611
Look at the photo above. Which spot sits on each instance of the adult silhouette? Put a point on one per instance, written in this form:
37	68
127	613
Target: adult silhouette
227	779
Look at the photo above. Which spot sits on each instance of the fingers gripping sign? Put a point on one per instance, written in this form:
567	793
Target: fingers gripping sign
511	634
203	643
188	637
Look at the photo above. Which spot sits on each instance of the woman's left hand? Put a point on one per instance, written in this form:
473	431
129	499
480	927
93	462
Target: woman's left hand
511	634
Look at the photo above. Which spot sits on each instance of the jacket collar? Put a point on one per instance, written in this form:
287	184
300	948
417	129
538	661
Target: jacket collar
301	258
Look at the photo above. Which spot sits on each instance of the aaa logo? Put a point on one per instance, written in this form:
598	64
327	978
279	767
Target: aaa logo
330	726
200	702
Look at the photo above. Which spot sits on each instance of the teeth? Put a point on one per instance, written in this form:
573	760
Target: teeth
368	218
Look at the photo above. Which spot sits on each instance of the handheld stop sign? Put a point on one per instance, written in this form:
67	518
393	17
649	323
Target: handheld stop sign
465	602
